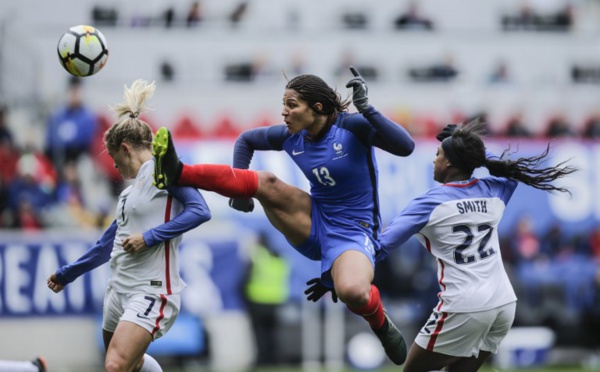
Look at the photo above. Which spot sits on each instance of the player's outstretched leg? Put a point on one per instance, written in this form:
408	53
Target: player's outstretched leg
392	341
167	167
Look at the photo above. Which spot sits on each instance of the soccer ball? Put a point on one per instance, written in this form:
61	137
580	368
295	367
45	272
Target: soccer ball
82	50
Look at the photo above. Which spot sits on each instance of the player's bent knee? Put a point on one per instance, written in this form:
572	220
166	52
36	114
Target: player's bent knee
113	365
354	294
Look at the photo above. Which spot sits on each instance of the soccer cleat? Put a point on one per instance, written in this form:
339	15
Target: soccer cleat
167	167
40	362
392	341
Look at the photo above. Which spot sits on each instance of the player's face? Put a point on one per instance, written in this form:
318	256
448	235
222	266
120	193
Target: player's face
122	160
440	166
296	112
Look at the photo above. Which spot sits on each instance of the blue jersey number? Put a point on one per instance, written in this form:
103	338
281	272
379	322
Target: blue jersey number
323	176
459	258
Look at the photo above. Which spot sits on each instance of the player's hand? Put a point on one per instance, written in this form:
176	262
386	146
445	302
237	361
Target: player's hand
360	91
317	289
242	204
54	284
446	132
134	243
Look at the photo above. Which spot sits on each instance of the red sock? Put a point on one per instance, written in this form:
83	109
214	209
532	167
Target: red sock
220	178
372	311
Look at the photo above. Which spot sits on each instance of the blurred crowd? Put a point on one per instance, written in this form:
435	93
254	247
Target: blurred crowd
72	182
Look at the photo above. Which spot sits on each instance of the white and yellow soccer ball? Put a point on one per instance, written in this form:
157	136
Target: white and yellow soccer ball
82	50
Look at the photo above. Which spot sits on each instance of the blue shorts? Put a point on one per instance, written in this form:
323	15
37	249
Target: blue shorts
330	237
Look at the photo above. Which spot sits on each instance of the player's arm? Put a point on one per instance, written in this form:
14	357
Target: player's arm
410	221
261	139
96	256
195	212
389	135
380	131
270	138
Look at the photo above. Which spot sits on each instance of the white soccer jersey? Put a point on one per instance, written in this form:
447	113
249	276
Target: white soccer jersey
141	207
458	224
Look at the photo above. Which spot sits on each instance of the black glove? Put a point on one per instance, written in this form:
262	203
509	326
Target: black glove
360	91
242	204
446	132
317	289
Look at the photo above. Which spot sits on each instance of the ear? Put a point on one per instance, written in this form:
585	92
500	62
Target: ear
125	147
318	107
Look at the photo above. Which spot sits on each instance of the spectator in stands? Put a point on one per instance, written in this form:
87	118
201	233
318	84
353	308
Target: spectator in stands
559	127
530	19
259	68
500	73
444	70
594	243
348	58
525	19
169	17
298	65
5	132
238	14
262	68
591	129
69	209
526	242
9	157
195	14
266	291
71	129
167	71
554	243
412	20
564	19
355	20
104	16
516	127
32	191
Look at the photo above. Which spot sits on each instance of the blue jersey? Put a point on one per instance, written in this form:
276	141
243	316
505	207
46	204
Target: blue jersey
342	172
340	165
458	224
341	168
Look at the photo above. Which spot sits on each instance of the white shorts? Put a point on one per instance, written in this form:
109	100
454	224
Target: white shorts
465	334
154	313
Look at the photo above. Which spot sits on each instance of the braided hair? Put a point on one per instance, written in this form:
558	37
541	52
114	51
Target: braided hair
131	129
468	151
313	90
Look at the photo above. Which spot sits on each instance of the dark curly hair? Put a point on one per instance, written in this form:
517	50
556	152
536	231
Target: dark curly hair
469	150
313	90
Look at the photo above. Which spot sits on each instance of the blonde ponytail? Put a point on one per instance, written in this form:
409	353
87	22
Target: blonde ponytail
131	129
135	98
